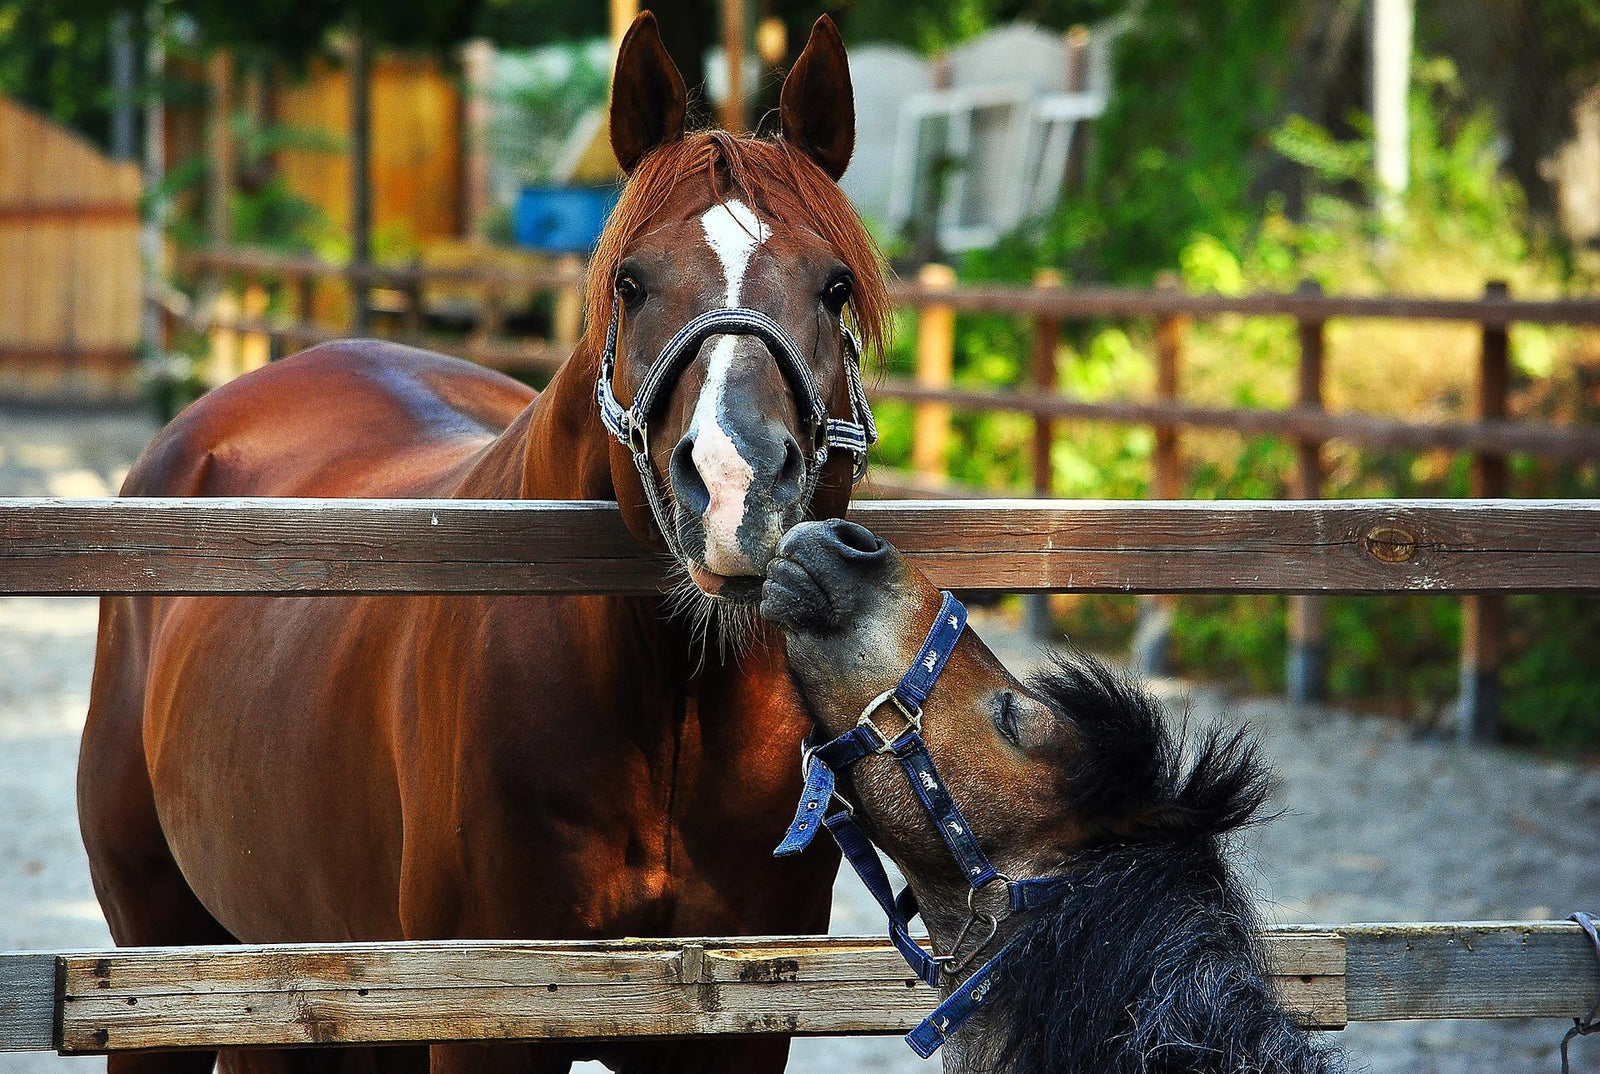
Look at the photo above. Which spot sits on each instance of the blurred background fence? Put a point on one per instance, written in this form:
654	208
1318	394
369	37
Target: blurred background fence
1283	248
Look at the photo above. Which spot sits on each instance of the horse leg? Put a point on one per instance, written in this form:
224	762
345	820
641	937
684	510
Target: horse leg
145	897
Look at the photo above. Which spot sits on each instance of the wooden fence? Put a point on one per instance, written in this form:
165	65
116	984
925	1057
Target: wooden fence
69	241
1490	436
103	1001
80	1002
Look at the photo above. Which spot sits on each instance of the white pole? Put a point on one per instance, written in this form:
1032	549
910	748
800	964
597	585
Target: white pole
1392	22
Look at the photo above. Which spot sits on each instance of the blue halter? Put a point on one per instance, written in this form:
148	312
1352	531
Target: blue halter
823	762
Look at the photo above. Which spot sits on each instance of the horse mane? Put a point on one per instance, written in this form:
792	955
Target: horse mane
1149	960
769	175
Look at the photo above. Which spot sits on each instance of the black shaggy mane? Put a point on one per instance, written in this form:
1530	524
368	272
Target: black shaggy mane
1149	961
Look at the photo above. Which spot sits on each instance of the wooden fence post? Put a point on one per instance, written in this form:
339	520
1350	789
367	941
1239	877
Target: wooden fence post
360	180
936	342
1483	622
1308	649
1153	635
1042	380
412	319
255	346
491	315
568	319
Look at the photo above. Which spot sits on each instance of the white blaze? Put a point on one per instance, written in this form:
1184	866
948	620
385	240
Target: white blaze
734	233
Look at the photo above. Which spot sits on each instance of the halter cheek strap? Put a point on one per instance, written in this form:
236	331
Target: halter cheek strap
817	810
631	425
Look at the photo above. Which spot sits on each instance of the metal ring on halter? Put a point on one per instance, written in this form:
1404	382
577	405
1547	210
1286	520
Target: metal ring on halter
972	893
912	716
955	962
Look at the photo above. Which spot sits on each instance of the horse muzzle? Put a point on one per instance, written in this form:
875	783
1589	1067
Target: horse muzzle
827	574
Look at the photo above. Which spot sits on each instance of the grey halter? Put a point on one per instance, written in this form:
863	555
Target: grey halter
630	425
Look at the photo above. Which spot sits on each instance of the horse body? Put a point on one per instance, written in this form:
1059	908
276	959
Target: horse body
320	769
540	767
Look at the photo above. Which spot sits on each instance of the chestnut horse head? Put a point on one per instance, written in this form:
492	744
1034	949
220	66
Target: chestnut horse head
725	296
1112	934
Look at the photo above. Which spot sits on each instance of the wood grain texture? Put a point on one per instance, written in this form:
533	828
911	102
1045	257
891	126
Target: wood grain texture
306	547
456	990
27	1001
327	994
1470	970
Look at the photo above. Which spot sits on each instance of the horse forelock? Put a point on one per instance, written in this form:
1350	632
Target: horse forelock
769	176
1125	772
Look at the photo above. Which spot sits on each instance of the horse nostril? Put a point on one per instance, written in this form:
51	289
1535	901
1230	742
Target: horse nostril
687	485
856	541
790	482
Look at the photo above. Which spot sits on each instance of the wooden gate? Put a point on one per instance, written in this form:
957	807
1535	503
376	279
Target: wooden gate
69	263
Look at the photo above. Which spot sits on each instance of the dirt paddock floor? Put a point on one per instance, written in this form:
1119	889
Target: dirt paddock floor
1378	825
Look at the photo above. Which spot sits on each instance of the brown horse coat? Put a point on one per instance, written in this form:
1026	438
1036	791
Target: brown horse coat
343	768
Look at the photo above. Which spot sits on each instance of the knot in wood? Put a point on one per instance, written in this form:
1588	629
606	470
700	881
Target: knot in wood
1390	544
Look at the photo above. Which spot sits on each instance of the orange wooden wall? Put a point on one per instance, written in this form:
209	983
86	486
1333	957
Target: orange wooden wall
69	253
416	170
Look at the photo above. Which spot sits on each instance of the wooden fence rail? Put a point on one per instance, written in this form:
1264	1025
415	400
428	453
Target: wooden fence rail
321	994
309	547
1490	436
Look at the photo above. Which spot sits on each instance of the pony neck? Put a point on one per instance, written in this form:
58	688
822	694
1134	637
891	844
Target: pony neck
556	449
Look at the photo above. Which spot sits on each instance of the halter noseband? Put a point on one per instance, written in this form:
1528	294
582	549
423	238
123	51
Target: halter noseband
631	425
822	762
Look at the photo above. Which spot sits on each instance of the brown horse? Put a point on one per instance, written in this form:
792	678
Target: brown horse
1134	950
323	769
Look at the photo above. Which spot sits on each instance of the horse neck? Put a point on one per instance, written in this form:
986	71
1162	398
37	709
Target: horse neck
556	449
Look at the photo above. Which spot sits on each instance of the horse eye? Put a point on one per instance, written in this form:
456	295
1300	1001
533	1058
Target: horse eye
837	293
629	290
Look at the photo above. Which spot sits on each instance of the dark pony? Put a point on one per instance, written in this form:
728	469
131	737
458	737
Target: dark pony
1149	961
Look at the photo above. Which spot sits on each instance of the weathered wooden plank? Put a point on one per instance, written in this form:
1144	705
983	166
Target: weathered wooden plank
27	1001
305	547
314	994
1470	970
308	994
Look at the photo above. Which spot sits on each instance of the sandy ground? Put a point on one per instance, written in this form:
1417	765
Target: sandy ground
1379	825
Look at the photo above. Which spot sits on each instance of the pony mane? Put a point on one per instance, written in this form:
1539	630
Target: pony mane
1126	777
769	175
1149	961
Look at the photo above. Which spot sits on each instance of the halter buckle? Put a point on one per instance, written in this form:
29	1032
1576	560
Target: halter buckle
912	717
955	962
638	437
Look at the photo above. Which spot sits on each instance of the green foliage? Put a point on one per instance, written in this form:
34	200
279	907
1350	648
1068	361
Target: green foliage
536	115
1173	189
935	24
54	58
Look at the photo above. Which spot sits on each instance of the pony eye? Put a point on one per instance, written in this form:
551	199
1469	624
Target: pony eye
838	292
1005	718
629	290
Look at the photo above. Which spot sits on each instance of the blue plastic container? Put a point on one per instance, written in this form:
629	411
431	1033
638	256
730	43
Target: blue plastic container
561	219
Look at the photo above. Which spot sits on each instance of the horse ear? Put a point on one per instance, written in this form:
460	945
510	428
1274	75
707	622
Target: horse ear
648	101
818	107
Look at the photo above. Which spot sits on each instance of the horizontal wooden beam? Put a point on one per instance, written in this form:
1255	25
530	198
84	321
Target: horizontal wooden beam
1574	442
305	547
1065	303
307	994
1082	303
